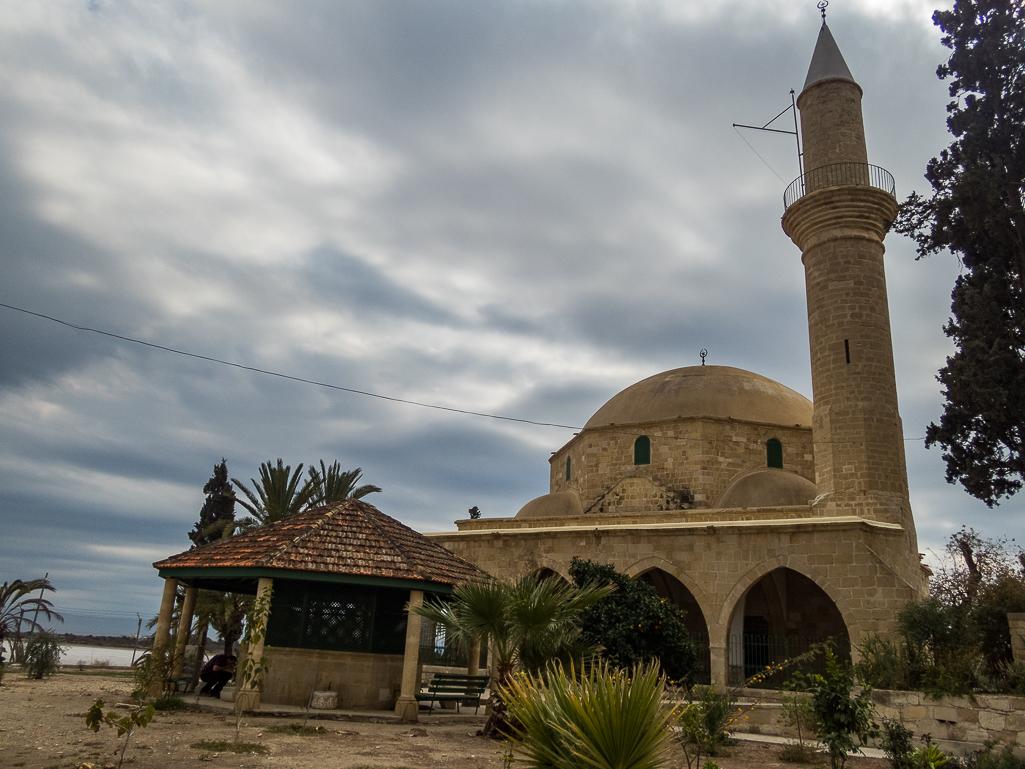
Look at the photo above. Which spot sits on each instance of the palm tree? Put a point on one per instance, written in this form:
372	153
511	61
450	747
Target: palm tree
332	484
278	494
18	607
527	623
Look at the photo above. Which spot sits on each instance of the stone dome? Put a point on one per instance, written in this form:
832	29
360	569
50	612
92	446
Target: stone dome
561	504
705	391
768	487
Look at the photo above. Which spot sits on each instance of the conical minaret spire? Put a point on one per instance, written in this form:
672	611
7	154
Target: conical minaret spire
840	215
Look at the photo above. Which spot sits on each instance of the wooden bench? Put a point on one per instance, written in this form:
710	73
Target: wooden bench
454	688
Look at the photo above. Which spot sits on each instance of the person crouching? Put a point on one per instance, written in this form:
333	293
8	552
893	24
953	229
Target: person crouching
216	673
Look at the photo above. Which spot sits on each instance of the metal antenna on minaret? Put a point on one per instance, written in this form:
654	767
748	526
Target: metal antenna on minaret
794	133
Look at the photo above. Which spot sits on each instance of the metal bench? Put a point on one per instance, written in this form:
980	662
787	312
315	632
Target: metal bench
452	687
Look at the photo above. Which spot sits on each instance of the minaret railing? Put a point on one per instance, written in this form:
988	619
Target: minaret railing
839	175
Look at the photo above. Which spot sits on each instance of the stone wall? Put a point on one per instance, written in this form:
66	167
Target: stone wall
865	568
694	460
958	724
364	681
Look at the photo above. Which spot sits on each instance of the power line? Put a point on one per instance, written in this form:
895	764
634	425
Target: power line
326	384
286	376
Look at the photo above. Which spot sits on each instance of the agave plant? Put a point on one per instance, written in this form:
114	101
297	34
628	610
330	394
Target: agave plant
605	718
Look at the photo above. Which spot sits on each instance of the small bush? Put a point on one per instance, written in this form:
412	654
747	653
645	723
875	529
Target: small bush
796	753
43	655
988	759
897	744
170	703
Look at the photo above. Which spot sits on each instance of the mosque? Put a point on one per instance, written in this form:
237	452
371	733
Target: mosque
760	513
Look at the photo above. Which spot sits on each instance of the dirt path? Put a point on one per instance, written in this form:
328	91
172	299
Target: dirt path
42	726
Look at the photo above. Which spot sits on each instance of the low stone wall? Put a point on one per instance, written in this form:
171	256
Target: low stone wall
958	724
363	681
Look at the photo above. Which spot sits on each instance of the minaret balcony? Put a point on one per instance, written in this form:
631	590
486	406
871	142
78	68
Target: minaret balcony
839	175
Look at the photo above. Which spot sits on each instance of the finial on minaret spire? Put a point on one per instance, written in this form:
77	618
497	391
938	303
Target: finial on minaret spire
822	7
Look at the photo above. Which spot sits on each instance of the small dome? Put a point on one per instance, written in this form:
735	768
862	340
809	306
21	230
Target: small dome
705	391
561	504
768	487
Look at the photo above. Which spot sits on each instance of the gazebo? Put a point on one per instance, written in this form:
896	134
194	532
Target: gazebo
340	578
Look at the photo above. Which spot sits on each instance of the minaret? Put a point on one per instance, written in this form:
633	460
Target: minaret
838	214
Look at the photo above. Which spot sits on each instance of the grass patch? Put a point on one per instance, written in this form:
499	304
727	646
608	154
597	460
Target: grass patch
223	746
297	729
170	703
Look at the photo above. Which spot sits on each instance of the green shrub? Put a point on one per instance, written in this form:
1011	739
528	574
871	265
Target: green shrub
634	625
839	716
897	744
988	759
929	756
605	718
170	702
796	712
883	664
43	654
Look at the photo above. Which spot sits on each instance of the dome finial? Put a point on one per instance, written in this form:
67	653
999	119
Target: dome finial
822	7
703	353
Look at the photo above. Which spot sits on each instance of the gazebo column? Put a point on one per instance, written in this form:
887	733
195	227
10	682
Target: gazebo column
163	631
407	708
184	631
249	698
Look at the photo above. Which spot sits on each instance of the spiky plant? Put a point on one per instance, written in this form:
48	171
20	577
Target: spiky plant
527	623
605	718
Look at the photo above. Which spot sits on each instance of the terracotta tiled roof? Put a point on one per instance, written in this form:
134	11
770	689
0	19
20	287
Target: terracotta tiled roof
347	538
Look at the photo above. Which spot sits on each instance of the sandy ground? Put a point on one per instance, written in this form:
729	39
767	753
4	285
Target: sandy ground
42	726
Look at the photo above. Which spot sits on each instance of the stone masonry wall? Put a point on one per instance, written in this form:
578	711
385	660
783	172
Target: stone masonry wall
864	568
693	459
958	724
366	681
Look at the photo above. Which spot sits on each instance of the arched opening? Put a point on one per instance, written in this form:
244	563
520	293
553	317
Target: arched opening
674	591
774	453
568	467
642	450
780	617
546	573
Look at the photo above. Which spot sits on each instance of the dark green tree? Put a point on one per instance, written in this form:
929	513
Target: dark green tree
333	484
976	211
218	512
634	625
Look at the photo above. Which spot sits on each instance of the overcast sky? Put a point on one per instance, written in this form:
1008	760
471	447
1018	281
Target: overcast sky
516	207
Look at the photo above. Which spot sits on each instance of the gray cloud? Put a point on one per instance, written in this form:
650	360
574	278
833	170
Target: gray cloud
513	208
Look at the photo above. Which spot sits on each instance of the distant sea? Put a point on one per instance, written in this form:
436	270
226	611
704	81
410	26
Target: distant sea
91	655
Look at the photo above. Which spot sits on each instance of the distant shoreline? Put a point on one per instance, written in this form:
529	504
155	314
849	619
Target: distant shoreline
107	641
